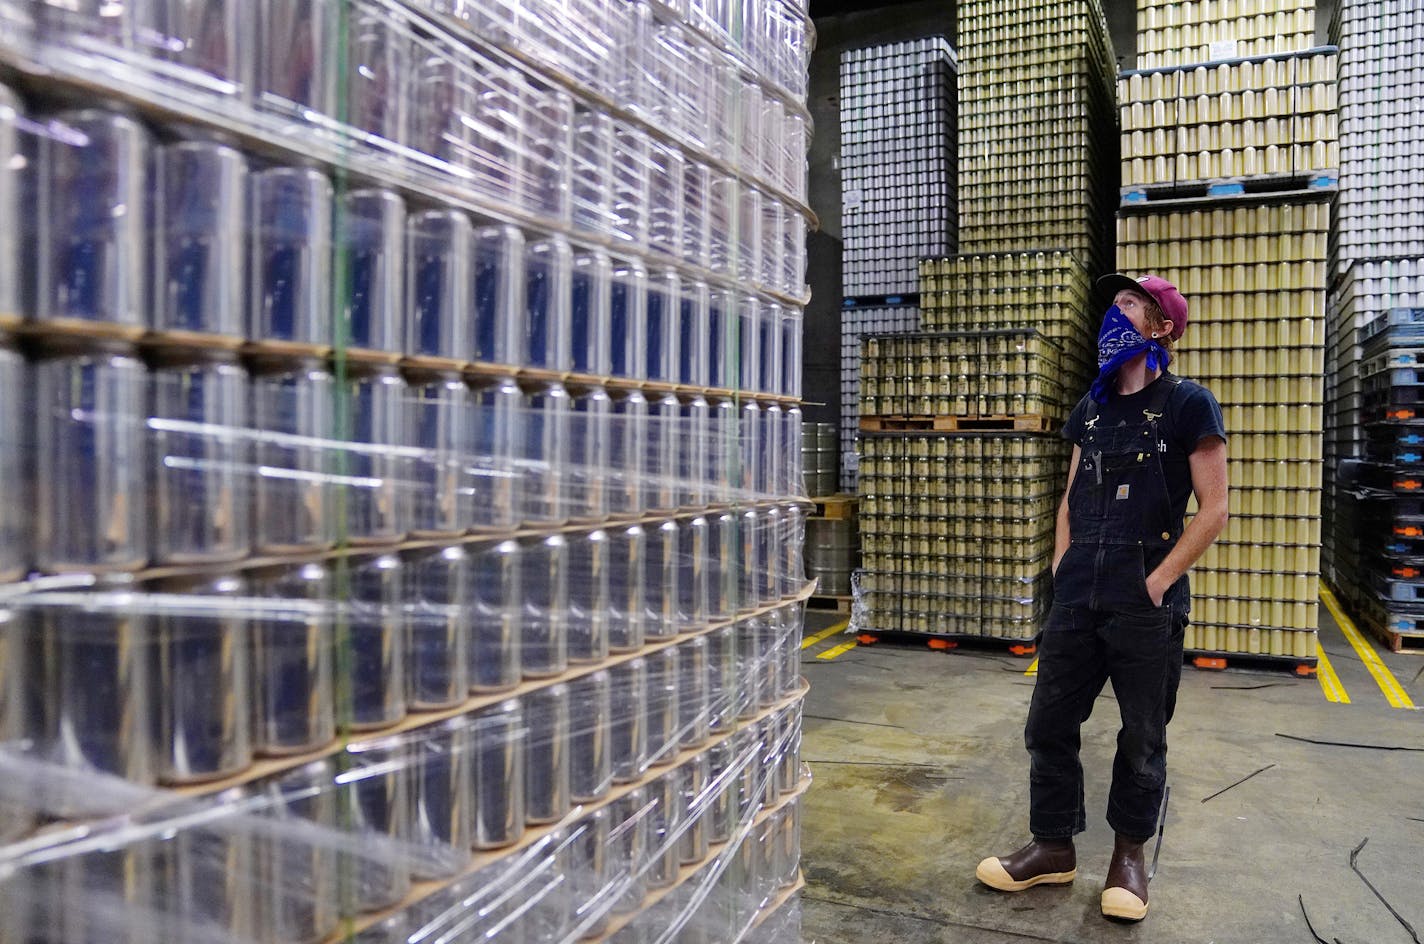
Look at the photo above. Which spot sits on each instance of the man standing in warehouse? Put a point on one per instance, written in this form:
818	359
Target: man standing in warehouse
1144	441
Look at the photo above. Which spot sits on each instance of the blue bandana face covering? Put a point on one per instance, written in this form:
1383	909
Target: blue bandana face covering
1118	343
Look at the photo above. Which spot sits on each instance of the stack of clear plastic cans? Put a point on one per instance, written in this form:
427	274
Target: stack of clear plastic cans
401	508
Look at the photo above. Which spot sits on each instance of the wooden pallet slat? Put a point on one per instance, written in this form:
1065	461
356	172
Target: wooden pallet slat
1020	423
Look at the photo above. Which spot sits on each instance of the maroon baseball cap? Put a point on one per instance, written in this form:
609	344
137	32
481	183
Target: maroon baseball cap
1173	305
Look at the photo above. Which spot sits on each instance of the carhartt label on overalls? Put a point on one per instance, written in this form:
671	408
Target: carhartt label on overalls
1122	491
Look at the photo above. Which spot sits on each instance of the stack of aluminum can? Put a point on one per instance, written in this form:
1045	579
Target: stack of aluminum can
1230	155
400	529
1037	142
898	202
1170	33
1376	260
957	533
857	323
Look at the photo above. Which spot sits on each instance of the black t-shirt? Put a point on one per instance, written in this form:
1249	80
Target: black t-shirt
1191	415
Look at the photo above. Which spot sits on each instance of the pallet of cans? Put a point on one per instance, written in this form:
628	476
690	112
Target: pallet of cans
858	322
1037	145
897	162
997	374
1048	289
957	533
1254	277
1381	144
1230	124
1170	33
401	507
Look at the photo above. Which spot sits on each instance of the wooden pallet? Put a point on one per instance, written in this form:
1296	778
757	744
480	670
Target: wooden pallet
1020	423
834	604
1396	641
943	642
836	507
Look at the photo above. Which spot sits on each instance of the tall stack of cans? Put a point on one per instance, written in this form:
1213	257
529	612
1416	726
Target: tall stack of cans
399	472
1232	162
1376	262
897	118
858	323
1170	33
1037	145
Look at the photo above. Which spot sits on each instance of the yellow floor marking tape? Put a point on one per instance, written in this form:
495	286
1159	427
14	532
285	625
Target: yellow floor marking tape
1032	667
1393	692
840	650
810	641
1329	681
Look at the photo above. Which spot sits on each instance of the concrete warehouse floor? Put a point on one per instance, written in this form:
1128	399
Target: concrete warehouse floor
920	771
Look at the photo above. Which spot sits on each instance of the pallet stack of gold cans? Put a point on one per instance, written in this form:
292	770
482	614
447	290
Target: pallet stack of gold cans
957	533
1173	33
1037	155
400	502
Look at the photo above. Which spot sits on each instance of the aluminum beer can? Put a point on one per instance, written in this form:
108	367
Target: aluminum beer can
378	69
439	256
296	67
628	320
500	737
91	468
628	851
661	706
546	756
15	722
377	626
439	631
590	740
14	452
662	328
376	812
660	582
92	677
499	295
628	730
200	243
204	876
591	341
664	451
379	499
214	37
749	438
589	470
443	829
694	453
293	505
544	585
93	222
495	616
444	103
495	481
693	711
749	582
692	578
722	685
588	861
545	459
749	671
788	768
589	589
441	410
202	487
290	296
626	618
694	324
202	677
373	236
293	704
296	882
548	316
693	805
721	814
723	566
769	556
665	802
628	455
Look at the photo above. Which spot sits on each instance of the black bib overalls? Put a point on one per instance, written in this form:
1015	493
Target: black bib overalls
1103	625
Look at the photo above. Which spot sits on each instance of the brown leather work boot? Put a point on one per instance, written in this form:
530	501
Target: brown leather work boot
1041	862
1125	892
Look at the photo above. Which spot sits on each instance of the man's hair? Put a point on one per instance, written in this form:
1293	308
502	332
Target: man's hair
1157	321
